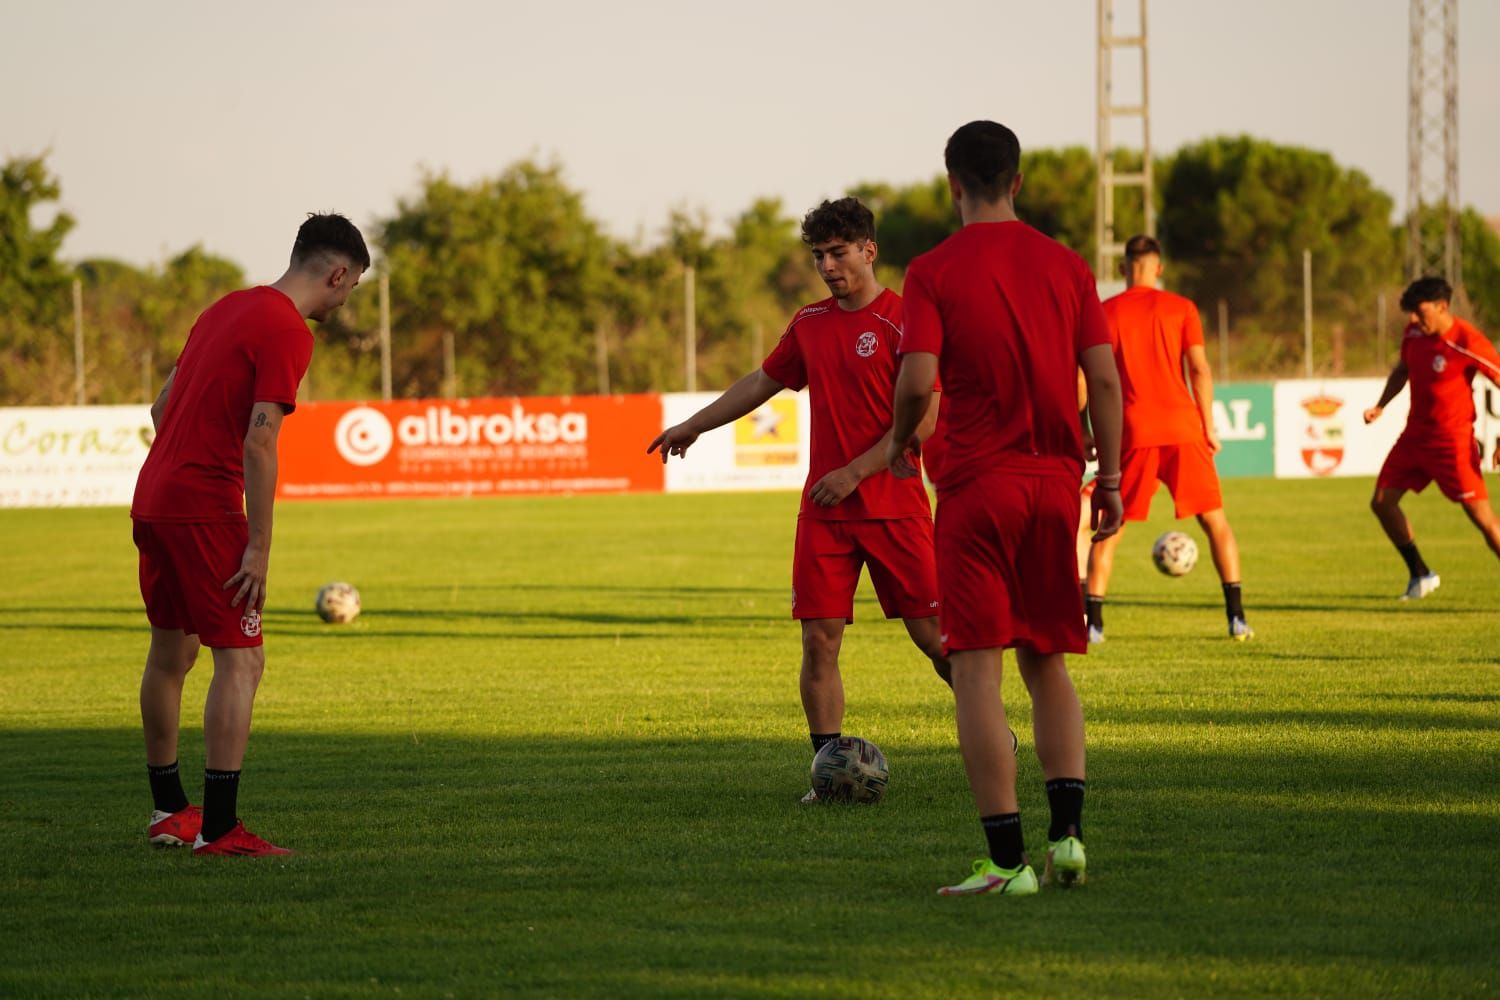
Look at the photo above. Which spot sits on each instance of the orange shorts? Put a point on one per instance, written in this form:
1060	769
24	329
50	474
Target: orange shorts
1187	469
1008	566
828	555
183	568
1455	466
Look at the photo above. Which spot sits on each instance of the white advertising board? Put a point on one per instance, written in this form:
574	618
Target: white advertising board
1321	430
766	450
71	456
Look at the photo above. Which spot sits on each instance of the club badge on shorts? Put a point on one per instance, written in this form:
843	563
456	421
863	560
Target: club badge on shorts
866	344
250	624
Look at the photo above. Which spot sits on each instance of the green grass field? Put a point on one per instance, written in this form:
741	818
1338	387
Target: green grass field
560	754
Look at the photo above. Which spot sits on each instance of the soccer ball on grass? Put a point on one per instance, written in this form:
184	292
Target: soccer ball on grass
1174	553
338	602
850	769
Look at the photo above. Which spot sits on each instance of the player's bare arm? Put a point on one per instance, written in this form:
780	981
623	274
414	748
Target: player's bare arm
1089	451
1201	381
739	399
1393	385
159	408
913	401
838	484
260	495
1105	405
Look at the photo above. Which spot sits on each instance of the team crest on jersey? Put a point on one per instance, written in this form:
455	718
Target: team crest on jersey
1439	363
250	624
866	345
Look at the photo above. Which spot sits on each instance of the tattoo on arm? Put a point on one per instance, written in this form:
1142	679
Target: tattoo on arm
260	420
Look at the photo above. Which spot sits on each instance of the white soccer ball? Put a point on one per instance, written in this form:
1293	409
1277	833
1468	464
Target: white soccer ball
1175	553
338	602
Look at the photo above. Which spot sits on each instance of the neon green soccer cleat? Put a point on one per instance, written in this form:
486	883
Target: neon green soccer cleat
1065	863
989	877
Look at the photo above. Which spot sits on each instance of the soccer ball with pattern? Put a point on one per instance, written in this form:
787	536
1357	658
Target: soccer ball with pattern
338	602
1174	553
849	769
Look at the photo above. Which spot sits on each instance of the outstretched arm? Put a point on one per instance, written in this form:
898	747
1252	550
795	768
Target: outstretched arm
739	399
1393	385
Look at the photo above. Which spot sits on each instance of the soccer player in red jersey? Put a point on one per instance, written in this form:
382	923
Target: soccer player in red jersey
1169	433
1008	316
1440	354
202	522
853	512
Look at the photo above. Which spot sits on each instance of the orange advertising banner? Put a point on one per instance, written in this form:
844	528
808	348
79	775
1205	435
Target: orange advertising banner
471	447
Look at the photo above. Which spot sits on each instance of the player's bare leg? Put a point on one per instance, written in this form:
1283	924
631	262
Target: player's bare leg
1386	504
1057	726
174	821
983	731
927	637
231	699
1483	517
172	654
1101	566
1221	544
822	686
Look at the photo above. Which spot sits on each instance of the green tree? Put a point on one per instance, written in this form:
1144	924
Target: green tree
34	299
1481	266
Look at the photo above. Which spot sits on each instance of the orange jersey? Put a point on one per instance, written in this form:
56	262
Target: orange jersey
1151	331
1440	371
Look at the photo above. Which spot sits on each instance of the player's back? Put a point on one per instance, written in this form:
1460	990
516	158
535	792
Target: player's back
239	349
1015	309
1151	331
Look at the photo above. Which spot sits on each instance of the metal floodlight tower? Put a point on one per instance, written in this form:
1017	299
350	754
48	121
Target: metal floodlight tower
1108	246
1432	240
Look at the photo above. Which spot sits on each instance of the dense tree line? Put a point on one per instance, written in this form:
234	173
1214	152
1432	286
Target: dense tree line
538	298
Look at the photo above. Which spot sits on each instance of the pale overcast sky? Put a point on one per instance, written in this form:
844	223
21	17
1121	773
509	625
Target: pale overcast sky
173	123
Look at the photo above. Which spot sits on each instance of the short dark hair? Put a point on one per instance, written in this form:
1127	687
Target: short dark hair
985	157
1429	288
1141	246
846	219
326	234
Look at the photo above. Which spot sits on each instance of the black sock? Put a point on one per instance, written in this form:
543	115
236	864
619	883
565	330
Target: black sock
1232	607
818	739
1065	796
1413	559
1093	608
1003	831
166	787
221	791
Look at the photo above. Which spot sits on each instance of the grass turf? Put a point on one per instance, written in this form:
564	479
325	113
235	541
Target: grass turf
561	750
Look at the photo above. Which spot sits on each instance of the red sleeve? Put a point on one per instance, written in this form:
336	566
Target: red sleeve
922	325
1478	347
1093	328
280	364
1192	326
784	364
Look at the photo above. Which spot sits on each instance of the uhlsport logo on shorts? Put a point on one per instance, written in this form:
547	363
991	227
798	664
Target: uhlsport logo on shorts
866	345
250	624
363	436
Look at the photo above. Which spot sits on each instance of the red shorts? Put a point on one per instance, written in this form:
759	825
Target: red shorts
1455	466
1187	469
828	555
1009	570
183	569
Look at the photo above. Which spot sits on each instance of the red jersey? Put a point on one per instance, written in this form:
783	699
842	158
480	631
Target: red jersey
1440	369
1151	331
1008	312
848	362
251	346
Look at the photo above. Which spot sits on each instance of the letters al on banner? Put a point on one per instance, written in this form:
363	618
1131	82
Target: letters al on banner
471	447
1246	428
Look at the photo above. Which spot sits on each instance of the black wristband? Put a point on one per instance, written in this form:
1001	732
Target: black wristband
1104	486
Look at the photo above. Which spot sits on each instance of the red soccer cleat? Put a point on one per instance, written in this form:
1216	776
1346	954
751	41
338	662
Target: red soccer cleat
178	829
237	843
